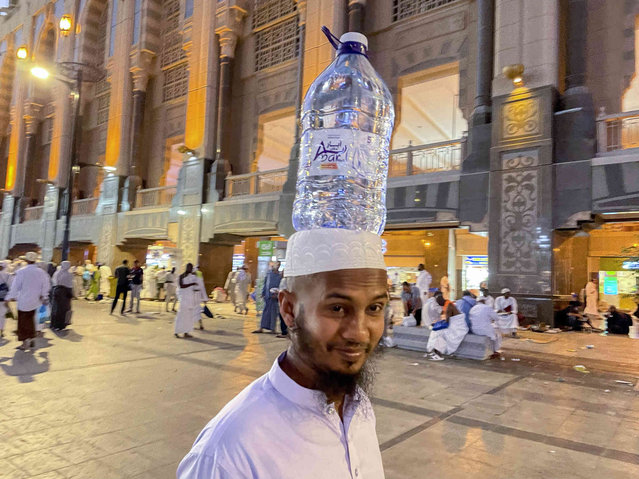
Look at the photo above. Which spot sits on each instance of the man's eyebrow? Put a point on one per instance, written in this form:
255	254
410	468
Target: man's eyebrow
337	295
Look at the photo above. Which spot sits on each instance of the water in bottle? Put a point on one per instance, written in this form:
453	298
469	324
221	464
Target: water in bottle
347	120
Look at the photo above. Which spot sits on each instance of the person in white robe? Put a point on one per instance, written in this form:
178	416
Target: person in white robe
242	285
424	279
506	307
105	282
78	282
432	310
229	286
488	299
171	289
152	285
592	297
191	293
446	341
484	322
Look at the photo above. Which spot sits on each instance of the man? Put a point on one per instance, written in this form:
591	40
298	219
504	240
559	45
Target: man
506	307
192	293
122	285
423	282
136	276
592	297
483	321
433	308
618	322
464	306
313	400
4	291
171	289
444	287
488	299
446	340
412	302
242	283
161	280
30	289
270	292
229	286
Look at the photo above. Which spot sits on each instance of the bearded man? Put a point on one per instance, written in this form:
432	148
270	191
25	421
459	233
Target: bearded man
313	401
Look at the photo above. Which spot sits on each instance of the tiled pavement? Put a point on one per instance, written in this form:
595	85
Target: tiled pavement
121	397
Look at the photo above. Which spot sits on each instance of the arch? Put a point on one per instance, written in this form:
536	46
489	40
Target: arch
91	35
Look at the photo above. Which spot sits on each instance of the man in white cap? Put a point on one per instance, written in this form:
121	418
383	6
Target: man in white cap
484	322
313	400
506	307
424	279
30	288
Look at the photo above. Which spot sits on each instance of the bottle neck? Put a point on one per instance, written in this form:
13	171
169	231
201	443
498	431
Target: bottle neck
352	47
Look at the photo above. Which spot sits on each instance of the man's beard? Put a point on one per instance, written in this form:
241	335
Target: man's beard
334	383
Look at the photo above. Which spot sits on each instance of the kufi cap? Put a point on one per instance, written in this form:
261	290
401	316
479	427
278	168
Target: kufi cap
31	256
332	249
505	290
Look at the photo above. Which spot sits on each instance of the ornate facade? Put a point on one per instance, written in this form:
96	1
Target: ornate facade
187	133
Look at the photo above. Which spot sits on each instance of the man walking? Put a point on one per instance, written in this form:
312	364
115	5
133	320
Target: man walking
424	279
313	401
122	286
30	288
171	289
270	291
137	278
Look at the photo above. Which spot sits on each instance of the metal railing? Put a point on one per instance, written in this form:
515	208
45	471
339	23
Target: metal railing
84	206
617	132
415	160
256	183
151	197
33	213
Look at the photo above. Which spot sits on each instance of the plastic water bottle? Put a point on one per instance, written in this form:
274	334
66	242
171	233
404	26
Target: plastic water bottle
347	120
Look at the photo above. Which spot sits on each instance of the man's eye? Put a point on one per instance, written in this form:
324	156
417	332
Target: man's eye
337	308
376	308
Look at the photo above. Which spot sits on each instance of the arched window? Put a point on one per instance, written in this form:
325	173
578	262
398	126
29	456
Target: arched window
276	32
173	58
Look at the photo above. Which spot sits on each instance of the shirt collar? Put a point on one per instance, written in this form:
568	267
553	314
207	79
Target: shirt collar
304	397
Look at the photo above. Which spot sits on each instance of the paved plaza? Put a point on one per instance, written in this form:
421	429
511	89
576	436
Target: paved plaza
122	397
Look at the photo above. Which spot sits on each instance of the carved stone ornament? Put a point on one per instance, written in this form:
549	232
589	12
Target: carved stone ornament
521	118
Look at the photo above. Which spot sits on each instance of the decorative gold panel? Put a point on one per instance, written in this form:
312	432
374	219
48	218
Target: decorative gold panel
521	118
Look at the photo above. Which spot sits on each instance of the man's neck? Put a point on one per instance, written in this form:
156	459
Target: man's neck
304	375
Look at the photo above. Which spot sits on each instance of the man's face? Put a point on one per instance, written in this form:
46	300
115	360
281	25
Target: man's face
136	264
336	318
420	267
440	299
507	295
406	288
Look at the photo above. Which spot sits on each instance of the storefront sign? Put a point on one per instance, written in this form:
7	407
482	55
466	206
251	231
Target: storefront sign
611	286
630	265
481	261
265	248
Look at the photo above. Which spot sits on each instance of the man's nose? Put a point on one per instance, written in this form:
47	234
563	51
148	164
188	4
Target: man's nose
355	328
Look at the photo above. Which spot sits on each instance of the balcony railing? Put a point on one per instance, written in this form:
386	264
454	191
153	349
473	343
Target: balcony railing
256	183
617	132
420	159
33	213
85	206
152	197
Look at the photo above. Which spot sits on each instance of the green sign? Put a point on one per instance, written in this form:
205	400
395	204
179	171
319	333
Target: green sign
265	248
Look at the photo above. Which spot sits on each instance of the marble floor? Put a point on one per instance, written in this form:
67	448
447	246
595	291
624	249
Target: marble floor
118	397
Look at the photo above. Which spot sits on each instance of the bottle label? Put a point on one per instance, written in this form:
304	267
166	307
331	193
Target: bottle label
342	151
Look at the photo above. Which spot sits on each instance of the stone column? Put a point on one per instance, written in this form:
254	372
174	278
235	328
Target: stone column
356	9
575	127
285	222
473	203
31	171
521	170
118	150
6	220
229	20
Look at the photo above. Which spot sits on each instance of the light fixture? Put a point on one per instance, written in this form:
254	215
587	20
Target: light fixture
22	53
65	24
514	73
40	72
181	212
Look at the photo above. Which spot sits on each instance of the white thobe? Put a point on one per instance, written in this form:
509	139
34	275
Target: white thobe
190	308
508	322
592	306
431	312
423	283
105	283
312	442
29	287
446	341
484	322
490	301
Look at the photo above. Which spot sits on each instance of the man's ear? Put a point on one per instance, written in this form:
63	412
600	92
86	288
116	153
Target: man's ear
287	301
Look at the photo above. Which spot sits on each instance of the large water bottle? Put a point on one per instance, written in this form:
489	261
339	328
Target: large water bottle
347	120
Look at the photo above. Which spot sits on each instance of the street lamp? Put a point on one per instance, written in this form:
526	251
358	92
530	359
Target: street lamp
65	24
22	53
71	74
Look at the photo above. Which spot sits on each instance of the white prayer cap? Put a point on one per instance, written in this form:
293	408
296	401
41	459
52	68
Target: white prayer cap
31	257
505	290
332	249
